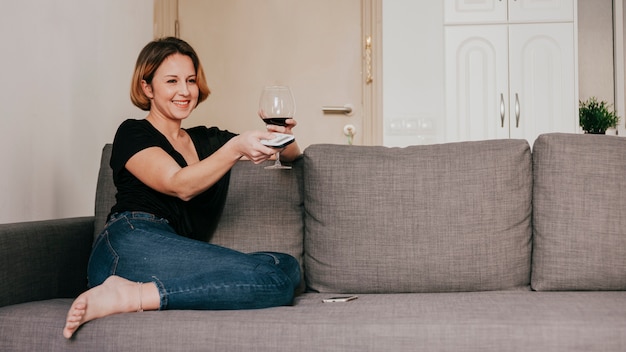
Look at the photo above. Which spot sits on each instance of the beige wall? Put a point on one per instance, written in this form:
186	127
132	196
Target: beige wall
66	68
595	49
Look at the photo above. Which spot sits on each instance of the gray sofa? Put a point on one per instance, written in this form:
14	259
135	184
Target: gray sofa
474	246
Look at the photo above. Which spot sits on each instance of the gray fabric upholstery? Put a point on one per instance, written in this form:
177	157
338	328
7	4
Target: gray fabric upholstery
434	218
474	321
579	213
105	191
263	210
450	217
44	259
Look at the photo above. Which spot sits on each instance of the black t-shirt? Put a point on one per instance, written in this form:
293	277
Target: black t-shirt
196	218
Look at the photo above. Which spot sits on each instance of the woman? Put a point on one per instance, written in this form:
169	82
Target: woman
171	186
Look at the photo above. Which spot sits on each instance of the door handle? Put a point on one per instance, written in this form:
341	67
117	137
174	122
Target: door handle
502	109
346	109
517	110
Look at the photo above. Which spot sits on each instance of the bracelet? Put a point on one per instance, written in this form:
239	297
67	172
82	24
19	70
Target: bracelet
140	305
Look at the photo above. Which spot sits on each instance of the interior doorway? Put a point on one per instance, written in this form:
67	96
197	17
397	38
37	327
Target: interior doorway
325	50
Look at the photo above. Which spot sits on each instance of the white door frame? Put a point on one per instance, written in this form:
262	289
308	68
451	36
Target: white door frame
372	71
618	63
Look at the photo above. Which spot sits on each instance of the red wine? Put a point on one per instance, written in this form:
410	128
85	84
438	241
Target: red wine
278	121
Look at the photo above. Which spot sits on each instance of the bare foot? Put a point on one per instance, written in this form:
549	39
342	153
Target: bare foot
115	295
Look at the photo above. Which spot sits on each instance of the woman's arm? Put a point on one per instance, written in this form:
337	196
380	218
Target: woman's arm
159	171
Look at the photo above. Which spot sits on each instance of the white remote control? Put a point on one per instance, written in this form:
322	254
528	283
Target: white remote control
280	141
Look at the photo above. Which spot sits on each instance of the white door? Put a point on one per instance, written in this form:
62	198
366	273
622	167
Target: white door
542	83
315	47
477	90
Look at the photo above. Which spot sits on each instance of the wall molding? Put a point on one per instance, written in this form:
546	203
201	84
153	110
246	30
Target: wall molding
371	27
619	62
166	19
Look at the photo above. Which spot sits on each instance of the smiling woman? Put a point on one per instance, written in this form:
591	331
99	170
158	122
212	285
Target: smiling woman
147	67
171	187
173	90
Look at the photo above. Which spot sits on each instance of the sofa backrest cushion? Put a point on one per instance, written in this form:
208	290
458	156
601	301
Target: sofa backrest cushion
263	210
437	218
579	212
105	190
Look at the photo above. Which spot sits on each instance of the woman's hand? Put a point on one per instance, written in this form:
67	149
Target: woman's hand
291	123
292	151
248	144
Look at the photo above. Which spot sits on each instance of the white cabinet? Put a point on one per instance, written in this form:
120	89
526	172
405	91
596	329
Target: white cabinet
477	88
509	79
499	11
541	10
475	11
542	85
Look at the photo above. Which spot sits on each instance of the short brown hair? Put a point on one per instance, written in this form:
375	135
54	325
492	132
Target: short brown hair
149	60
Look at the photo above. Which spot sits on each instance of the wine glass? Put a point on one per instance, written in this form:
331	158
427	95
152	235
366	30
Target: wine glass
276	105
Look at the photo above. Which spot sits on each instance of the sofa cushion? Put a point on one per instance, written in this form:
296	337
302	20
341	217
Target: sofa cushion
105	191
461	321
449	217
579	207
263	210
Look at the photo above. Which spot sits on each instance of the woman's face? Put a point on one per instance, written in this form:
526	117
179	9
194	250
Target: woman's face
173	92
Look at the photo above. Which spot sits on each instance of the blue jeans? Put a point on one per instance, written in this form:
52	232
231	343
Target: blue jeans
190	274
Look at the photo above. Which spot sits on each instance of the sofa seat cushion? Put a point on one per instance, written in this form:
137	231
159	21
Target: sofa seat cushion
467	321
438	218
579	208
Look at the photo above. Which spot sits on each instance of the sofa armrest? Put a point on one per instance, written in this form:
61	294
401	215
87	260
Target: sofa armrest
44	259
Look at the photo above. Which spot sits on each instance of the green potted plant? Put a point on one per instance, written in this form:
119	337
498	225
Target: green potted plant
595	117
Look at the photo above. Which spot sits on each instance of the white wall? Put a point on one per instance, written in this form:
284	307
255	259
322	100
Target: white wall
413	71
66	68
595	49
